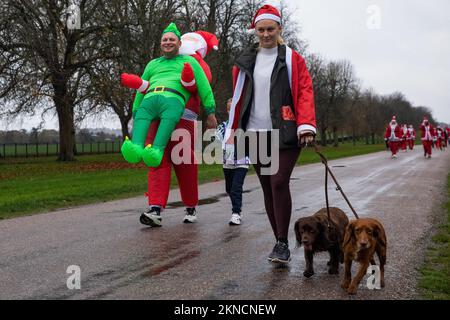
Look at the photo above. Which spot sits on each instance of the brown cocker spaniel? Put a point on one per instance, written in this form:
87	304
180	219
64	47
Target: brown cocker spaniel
363	237
316	233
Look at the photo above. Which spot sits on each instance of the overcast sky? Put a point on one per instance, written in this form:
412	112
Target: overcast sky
394	45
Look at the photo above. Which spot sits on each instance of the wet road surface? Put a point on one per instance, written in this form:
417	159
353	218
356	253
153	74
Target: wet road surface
121	259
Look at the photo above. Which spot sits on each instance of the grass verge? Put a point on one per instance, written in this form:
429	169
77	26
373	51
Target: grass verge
33	185
435	272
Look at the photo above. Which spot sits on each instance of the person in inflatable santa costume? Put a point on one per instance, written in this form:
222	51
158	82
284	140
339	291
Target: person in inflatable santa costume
163	90
393	135
197	44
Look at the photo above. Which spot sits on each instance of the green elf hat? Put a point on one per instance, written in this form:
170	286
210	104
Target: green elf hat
172	28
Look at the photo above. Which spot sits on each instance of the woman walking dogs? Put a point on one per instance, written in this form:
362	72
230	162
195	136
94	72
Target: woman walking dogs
273	91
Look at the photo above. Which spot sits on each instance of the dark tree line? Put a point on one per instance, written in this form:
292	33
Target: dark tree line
74	73
343	106
52	136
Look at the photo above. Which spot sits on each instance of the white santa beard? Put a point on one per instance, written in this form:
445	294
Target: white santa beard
192	43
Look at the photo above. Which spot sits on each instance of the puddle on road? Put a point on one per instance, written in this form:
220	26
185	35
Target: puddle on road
179	204
232	234
118	213
204	201
228	288
172	264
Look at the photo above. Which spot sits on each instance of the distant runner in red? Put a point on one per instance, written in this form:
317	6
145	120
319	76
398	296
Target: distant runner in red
446	135
393	135
447	132
412	137
440	138
427	135
405	138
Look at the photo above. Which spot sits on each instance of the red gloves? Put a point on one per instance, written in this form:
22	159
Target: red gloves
134	82
188	79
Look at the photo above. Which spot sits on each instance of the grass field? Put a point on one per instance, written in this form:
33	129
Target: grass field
435	273
33	185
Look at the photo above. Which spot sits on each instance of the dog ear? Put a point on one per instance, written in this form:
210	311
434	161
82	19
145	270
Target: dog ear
297	233
349	233
322	227
379	234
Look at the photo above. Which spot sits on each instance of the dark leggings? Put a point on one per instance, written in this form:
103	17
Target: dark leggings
277	195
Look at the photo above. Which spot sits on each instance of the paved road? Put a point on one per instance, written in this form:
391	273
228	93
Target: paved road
121	259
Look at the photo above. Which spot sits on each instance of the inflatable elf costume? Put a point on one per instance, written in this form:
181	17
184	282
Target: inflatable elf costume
171	81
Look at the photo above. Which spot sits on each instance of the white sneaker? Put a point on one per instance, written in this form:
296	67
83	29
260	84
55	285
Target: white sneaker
191	215
151	217
235	219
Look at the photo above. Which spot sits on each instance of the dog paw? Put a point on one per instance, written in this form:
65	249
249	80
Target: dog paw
345	284
308	273
333	270
352	290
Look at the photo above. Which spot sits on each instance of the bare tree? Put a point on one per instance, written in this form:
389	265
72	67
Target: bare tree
353	121
316	67
46	62
137	42
332	83
373	120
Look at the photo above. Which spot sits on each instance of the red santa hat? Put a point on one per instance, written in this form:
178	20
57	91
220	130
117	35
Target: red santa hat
266	12
211	40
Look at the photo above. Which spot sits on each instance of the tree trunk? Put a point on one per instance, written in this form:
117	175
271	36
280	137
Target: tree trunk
335	137
66	133
124	125
373	138
211	24
64	108
323	136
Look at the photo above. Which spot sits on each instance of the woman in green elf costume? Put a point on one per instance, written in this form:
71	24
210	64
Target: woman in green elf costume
162	92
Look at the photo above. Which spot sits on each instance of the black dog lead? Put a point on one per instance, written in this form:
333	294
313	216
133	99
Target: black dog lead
339	188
